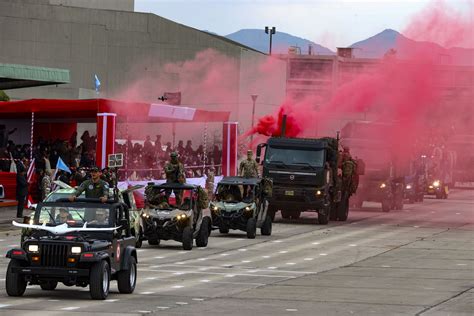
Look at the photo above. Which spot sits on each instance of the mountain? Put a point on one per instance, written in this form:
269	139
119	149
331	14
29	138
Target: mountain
259	40
377	45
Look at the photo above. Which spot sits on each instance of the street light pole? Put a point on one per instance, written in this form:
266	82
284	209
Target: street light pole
254	99
270	31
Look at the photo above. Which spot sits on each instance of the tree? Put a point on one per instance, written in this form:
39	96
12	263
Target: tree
4	96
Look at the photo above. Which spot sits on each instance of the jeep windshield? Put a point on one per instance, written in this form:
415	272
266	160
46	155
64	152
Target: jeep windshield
73	216
235	193
306	157
170	199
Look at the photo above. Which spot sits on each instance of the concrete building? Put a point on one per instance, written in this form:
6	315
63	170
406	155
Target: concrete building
127	49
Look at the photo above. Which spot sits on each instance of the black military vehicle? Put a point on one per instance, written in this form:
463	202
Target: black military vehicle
307	176
241	203
81	243
163	219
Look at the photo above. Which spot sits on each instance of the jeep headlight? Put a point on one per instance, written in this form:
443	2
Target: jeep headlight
318	192
76	250
33	248
383	185
436	183
181	217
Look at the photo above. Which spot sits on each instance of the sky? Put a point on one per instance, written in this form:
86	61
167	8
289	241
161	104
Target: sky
331	23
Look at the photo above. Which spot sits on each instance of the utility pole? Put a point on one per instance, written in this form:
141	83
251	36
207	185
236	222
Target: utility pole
270	31
254	99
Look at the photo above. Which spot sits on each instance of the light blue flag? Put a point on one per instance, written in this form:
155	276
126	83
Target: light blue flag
96	83
61	165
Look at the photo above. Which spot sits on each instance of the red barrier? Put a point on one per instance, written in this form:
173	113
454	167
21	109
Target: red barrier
8	180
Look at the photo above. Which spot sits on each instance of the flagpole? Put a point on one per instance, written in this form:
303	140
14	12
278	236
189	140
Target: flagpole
32	134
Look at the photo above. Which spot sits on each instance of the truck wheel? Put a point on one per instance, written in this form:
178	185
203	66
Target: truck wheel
187	238
334	211
223	229
272	211
203	235
295	214
251	228
285	214
343	210
15	283
399	204
99	283
154	242
127	279
386	206
266	229
49	285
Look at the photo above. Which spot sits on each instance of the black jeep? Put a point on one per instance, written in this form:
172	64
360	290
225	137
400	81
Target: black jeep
77	243
241	203
177	217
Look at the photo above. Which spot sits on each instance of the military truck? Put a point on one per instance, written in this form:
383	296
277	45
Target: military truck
384	178
308	175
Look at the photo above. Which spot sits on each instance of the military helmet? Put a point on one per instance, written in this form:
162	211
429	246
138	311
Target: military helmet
174	154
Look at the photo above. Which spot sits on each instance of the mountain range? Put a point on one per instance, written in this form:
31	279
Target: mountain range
373	47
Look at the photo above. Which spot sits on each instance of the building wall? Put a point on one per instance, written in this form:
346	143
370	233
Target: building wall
121	5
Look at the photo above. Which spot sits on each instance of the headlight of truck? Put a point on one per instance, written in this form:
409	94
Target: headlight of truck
76	250
319	192
33	248
436	183
408	187
383	185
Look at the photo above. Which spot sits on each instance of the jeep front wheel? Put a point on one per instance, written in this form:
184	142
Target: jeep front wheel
127	279
187	238
99	280
15	283
49	285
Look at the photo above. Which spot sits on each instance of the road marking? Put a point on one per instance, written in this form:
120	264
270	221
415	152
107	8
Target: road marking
177	286
205	281
283	251
315	243
159	257
4	305
181	303
416	226
201	248
178	273
243	249
2	280
266	257
291	310
162	307
198	299
277	241
385	266
202	259
11	246
111	301
70	308
147	293
323	254
203	269
144	312
2	239
458	213
246	261
352	245
224	254
151	278
183	252
53	300
308	259
290	263
229	275
141	250
240	239
461	264
180	262
271	268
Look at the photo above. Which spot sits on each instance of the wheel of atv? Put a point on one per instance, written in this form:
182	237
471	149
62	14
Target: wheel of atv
49	285
386	206
323	219
223	229
295	214
99	280
127	279
153	242
251	228
266	229
399	204
271	212
343	210
15	283
187	238
285	214
203	235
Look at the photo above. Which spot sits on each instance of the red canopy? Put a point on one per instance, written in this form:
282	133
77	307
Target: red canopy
137	112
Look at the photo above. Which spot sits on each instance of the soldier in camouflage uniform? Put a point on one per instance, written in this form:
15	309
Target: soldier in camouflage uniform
94	188
248	169
45	184
175	174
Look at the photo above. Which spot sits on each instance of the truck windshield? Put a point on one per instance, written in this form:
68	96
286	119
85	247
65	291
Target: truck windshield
295	156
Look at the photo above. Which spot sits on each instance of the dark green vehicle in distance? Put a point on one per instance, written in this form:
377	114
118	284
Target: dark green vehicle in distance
241	203
82	243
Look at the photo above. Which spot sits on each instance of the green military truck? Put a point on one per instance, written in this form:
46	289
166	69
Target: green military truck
309	175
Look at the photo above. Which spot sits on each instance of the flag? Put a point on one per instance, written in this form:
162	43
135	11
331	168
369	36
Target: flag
96	83
31	171
61	165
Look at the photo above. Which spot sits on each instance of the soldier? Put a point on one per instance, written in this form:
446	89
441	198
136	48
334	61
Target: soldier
249	169
45	184
100	217
95	187
175	174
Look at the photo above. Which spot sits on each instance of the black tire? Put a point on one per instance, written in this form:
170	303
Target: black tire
285	214
223	229
343	210
386	206
203	235
323	219
15	283
127	279
266	229
49	285
439	196
138	242
251	228
271	212
334	211
187	238
99	283
154	242
295	214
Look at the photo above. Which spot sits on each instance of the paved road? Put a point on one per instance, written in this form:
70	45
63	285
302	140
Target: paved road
418	261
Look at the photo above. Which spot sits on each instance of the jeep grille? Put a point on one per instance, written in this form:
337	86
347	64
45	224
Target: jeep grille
54	255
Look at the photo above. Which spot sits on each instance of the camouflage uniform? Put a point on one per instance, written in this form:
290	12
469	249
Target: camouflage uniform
248	168
93	190
175	174
45	186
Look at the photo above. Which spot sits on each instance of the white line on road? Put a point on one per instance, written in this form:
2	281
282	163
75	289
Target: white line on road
162	307
70	308
198	299
181	303
147	293
177	286
4	305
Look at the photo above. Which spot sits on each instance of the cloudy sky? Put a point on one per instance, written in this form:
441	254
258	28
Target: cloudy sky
331	23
